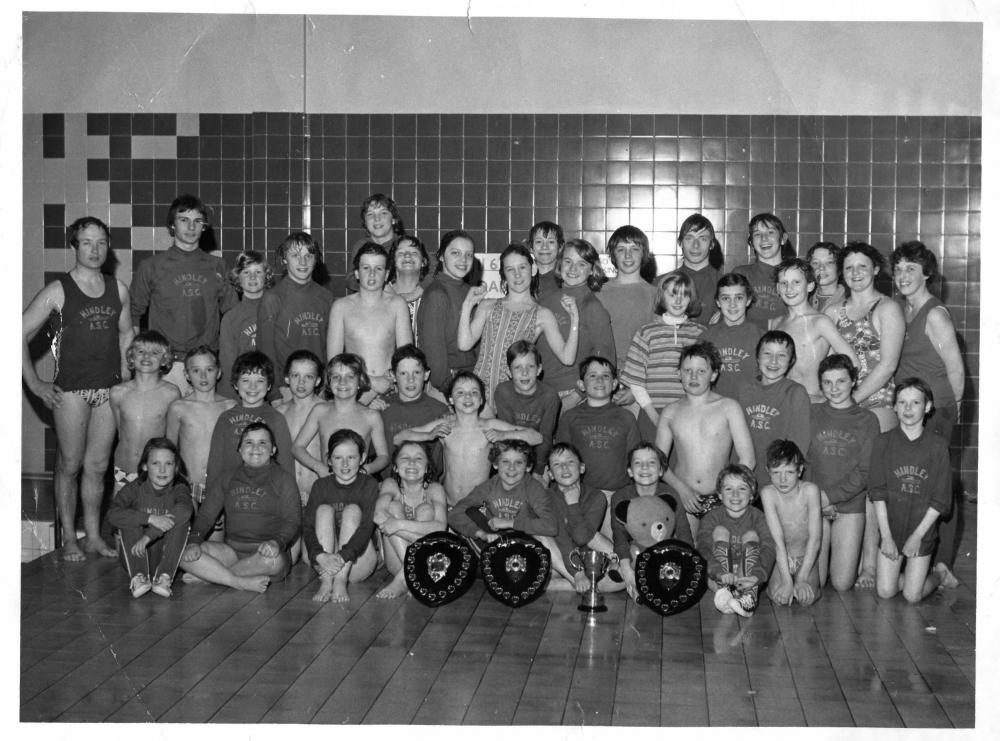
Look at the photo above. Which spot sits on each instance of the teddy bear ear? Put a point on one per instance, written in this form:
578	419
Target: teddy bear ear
621	512
671	502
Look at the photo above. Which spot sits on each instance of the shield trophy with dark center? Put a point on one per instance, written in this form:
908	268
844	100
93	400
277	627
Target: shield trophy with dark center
439	568
670	577
515	568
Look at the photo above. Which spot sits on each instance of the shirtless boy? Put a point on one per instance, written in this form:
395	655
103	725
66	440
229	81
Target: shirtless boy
304	378
346	381
140	405
703	428
467	436
814	332
190	420
793	513
370	323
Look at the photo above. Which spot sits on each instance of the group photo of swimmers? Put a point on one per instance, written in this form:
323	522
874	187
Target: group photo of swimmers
795	417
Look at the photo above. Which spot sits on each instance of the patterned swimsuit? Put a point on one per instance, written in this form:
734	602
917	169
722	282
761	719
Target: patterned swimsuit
864	340
503	328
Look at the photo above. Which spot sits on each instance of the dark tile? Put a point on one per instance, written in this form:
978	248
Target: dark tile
120	124
98	124
53	147
120	147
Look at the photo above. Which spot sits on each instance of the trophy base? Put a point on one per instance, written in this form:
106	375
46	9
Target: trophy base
592	607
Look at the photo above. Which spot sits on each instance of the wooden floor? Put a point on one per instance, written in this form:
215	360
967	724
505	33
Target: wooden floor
89	652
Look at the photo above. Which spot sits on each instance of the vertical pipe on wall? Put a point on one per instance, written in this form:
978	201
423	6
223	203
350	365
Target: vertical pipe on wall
306	166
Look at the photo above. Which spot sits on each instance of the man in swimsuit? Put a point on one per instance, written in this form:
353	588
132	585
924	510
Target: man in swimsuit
95	328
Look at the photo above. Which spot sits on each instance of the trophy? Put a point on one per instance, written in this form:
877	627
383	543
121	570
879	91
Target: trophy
595	565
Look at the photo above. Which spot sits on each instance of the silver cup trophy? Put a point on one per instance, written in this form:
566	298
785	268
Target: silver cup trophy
594	565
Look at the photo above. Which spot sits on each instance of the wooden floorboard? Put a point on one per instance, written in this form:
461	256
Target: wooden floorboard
89	652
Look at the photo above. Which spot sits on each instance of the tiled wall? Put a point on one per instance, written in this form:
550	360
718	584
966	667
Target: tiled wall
883	179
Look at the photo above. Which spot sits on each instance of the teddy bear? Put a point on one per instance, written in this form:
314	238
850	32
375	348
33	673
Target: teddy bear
648	520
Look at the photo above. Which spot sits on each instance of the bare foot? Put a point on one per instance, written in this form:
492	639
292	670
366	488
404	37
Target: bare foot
948	579
252	583
97	545
324	592
72	552
866	580
188	578
339	593
395	588
558	584
581	582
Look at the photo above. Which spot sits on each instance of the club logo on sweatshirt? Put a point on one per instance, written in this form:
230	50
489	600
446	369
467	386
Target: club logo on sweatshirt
910	478
837	443
760	416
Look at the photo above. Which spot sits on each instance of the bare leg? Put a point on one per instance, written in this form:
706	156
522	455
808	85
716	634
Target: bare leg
869	549
97	454
823	560
562	580
350	520
919	579
606	585
847	533
215	565
328	542
394	548
887	576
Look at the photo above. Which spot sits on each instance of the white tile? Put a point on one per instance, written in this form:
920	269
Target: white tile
166	147
98	147
121	214
32	124
144	147
98	193
187	124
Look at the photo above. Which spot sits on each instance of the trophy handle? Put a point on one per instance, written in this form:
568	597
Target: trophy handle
576	557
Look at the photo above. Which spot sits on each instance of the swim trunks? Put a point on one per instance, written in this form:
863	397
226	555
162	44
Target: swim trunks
94	397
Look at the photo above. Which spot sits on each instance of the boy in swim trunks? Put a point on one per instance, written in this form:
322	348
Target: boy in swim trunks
793	513
304	379
140	405
703	429
190	420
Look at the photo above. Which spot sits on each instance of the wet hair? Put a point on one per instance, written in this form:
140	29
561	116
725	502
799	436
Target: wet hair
794	263
565	447
345	435
706	351
466	375
187	202
446	240
585	250
430	472
647	445
837	361
779	338
515	248
256	427
74	229
546	228
425	260
349	360
408	351
782	452
914	383
635	235
602	361
253	361
200	350
917	252
150	337
523	347
736	279
834	249
309	356
380	199
245	260
696	223
685	284
162	443
370	248
518	446
741	472
769	219
298	239
861	248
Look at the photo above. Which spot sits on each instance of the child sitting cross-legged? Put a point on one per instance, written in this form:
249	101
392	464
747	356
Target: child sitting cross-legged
736	542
